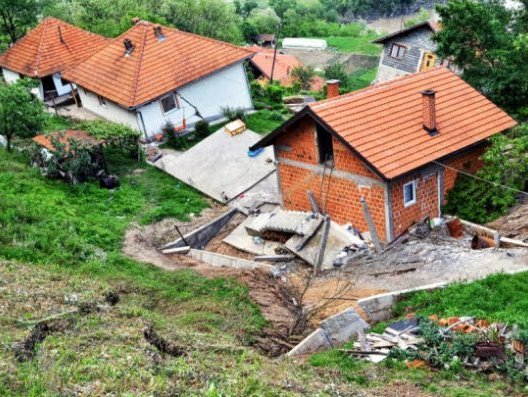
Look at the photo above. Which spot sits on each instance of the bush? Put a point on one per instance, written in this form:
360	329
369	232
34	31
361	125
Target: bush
232	114
337	71
201	129
275	93
485	199
304	75
115	135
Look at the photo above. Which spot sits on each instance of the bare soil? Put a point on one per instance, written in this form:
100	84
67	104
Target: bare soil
515	223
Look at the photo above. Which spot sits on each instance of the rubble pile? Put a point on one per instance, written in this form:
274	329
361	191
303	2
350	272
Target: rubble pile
446	343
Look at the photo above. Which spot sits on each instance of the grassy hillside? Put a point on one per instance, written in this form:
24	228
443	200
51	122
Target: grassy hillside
359	45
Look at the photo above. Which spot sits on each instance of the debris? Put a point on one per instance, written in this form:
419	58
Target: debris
394	272
274	258
421	229
322	244
481	242
488	350
456	229
161	343
178	250
371	226
25	350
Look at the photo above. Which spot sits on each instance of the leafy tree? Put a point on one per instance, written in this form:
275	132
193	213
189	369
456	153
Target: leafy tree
337	71
211	18
490	43
16	16
281	6
304	75
483	200
244	8
21	113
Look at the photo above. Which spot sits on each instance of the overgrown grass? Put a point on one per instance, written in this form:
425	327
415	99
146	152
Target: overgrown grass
264	121
496	298
81	229
357	45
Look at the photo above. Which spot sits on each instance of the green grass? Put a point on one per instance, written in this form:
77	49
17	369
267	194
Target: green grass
496	298
361	78
264	121
357	45
80	229
56	123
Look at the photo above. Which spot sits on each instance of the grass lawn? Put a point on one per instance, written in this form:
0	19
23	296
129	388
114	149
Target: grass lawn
358	45
361	78
496	298
264	121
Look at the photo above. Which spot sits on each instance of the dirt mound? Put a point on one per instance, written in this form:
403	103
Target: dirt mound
515	223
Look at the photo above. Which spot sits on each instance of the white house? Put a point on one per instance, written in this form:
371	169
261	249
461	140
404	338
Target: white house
45	52
152	74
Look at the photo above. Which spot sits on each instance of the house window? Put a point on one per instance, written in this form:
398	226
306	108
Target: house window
101	100
428	61
409	193
397	51
325	145
168	103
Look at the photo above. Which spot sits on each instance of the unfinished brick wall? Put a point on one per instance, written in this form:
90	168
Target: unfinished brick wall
339	195
426	201
468	161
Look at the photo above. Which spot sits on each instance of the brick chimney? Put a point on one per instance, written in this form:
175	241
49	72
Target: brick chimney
429	112
332	88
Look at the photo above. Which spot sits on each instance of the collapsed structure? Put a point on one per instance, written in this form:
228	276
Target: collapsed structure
383	158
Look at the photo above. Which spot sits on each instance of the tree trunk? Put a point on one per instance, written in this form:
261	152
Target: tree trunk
8	143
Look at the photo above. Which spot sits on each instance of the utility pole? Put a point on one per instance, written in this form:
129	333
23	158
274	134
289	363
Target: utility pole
279	27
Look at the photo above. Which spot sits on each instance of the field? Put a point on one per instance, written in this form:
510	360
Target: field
358	45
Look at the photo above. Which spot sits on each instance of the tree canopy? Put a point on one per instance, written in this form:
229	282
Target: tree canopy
491	43
21	113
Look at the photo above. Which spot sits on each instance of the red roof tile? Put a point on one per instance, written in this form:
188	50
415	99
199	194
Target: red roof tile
42	52
65	137
155	66
384	122
284	64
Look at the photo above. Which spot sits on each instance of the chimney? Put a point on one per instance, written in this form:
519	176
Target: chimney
135	21
158	33
332	88
129	46
429	112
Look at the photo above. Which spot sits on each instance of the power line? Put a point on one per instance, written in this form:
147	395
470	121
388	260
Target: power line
481	179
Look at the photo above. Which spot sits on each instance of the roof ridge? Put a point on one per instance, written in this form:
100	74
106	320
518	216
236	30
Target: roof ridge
46	23
375	87
140	63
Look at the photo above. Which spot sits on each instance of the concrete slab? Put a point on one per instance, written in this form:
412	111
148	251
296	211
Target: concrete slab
266	191
241	240
220	166
338	238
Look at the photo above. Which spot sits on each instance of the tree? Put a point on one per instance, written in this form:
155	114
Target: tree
16	16
336	71
21	113
490	43
304	75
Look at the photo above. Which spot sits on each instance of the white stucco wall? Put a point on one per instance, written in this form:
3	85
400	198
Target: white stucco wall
111	111
227	87
61	89
10	76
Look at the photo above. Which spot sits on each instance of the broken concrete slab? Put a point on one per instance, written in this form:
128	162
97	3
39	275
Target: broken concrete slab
338	239
314	342
266	191
220	166
242	240
178	250
284	221
200	237
219	260
342	326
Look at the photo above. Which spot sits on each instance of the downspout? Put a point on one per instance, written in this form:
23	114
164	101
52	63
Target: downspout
144	129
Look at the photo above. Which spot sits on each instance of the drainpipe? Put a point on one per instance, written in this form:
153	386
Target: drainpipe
142	124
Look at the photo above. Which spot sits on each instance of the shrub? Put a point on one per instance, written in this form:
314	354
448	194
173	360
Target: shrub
304	75
275	93
116	135
201	129
232	114
485	199
337	71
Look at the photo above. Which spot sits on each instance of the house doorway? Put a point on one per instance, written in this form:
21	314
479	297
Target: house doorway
48	87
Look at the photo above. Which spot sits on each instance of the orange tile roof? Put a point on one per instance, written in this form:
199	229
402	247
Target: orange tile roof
41	52
155	67
284	64
383	123
65	137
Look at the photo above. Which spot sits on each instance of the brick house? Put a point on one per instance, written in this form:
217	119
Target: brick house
407	51
399	145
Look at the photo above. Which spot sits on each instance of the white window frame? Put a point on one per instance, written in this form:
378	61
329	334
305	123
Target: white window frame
400	48
102	100
412	183
176	104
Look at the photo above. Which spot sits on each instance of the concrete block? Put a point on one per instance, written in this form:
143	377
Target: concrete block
314	342
342	326
219	260
179	250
